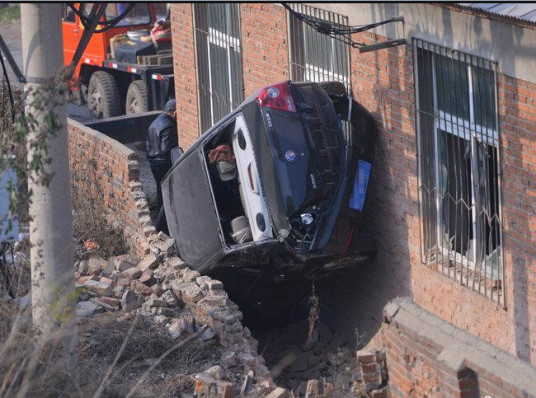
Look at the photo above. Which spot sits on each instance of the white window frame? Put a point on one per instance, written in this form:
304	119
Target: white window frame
228	43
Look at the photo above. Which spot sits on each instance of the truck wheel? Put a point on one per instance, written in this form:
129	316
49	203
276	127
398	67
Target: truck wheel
103	95
136	98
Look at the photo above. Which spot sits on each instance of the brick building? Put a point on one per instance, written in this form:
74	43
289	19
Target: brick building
453	194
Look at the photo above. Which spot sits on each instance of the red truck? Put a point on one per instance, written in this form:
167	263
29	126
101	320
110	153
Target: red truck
119	73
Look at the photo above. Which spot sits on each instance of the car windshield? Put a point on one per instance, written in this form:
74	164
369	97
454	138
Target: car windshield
138	15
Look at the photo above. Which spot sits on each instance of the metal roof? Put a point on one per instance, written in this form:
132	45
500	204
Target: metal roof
520	11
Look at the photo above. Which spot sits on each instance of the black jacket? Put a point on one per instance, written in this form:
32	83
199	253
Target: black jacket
161	138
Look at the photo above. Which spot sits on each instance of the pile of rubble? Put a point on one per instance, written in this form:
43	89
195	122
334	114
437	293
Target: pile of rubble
163	287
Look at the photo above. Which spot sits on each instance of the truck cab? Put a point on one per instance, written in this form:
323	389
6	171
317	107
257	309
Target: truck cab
111	86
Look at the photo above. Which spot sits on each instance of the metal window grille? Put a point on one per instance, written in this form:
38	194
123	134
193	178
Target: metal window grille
219	60
315	56
459	167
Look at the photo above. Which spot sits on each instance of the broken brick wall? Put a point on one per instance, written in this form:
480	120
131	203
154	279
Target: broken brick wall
108	172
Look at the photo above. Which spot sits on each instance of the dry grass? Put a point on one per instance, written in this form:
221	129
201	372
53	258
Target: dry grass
112	358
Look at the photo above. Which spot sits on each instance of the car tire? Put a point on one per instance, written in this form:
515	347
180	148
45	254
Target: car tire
334	88
136	98
103	95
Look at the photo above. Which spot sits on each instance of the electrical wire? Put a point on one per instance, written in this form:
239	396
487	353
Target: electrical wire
335	30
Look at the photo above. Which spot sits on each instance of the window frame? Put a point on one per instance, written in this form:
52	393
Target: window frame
298	48
204	74
476	135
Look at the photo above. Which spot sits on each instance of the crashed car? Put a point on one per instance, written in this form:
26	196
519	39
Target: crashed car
277	187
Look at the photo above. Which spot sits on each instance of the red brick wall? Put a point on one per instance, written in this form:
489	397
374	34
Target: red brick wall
108	172
264	57
264	44
427	357
185	70
517	120
383	82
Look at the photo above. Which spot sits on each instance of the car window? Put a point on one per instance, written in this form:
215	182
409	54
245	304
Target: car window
67	13
138	15
161	10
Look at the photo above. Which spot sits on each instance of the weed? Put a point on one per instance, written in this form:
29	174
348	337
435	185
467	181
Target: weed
10	13
314	317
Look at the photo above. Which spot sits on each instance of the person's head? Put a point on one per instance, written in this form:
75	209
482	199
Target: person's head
171	108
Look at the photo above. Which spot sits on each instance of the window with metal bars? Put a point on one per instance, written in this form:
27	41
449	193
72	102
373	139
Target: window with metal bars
219	60
315	56
459	167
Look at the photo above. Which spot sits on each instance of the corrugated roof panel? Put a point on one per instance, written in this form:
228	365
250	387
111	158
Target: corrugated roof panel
522	11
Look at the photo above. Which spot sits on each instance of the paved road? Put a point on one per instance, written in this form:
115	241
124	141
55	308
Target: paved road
11	34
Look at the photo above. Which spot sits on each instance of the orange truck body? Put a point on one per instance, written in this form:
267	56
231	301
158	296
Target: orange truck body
123	77
97	50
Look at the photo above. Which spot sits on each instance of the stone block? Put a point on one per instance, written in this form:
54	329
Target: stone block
108	268
149	262
170	299
85	308
123	282
106	306
84	279
83	267
207	386
168	246
157	289
228	359
131	273
95	265
313	389
147	278
190	294
149	230
279	392
176	262
366	356
214	285
129	301
201	281
104	279
156	302
100	288
140	288
383	392
213	301
189	275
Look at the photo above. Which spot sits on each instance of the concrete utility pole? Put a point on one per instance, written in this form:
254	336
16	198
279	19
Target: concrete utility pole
51	232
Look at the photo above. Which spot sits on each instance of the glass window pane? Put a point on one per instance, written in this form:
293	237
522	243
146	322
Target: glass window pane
452	87
484	97
161	10
138	15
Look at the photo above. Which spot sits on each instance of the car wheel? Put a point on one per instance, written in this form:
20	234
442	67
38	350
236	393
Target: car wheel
103	95
136	98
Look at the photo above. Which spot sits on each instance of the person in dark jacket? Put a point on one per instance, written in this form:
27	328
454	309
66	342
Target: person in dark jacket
161	139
